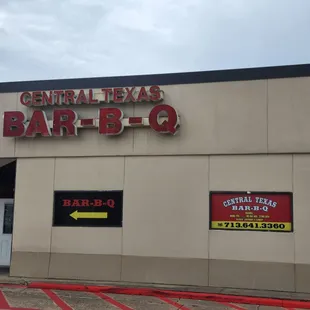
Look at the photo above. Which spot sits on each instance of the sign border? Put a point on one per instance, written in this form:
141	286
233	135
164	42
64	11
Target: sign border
257	193
86	190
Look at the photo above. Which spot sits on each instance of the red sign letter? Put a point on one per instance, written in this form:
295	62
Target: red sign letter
130	97
143	96
13	124
66	203
38	124
47	98
118	96
167	126
97	203
25	99
64	119
58	94
110	121
155	93
69	96
37	98
81	98
91	97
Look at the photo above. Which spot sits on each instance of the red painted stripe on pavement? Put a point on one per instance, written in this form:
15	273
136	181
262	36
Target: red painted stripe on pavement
3	301
285	303
173	303
113	301
57	300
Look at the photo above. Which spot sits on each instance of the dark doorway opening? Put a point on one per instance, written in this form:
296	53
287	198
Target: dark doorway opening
7	192
7	180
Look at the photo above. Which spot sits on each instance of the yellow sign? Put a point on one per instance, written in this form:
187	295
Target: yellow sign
275	226
89	215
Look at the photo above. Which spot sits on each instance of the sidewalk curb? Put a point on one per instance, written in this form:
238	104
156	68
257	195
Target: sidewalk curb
263	301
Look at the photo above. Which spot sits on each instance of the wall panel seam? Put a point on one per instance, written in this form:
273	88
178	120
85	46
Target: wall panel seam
122	235
208	252
51	228
267	113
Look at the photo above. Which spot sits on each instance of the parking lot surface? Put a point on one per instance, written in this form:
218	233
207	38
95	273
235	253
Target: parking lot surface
31	299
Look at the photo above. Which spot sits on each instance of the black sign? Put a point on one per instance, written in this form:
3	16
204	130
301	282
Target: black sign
88	208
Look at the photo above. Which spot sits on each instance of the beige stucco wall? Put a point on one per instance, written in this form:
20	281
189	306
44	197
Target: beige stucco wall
165	220
233	136
216	118
253	173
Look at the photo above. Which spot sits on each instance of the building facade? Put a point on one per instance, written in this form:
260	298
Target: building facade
238	133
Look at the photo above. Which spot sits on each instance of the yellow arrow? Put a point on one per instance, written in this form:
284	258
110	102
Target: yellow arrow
89	215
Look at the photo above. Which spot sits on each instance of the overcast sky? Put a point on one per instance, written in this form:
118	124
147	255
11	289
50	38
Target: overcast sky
48	39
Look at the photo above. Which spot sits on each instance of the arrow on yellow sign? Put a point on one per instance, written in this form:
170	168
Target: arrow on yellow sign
89	215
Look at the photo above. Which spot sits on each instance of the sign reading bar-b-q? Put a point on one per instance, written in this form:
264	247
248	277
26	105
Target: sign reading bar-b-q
162	118
88	208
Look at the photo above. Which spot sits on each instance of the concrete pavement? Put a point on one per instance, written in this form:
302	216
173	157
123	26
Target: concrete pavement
16	293
6	279
24	298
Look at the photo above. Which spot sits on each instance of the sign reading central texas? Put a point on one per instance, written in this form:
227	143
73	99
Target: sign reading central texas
251	211
88	208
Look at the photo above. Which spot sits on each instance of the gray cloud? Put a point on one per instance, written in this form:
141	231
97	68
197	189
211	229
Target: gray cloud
45	39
